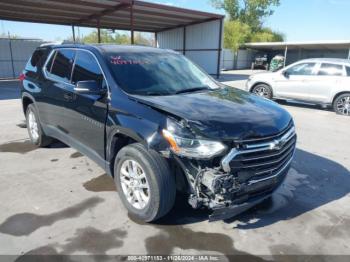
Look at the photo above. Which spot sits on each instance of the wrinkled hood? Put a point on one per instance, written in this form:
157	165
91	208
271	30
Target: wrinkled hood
222	114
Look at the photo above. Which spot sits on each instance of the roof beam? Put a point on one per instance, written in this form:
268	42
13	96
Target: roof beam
189	24
54	6
83	3
106	11
177	9
155	13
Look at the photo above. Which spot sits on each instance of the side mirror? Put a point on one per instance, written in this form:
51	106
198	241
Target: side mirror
285	73
89	87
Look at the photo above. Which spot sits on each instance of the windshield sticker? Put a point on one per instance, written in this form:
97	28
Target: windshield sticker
118	60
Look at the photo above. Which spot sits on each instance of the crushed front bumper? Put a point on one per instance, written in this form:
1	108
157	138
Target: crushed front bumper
232	211
252	199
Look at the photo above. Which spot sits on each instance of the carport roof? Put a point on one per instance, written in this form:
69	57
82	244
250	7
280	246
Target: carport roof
276	46
112	14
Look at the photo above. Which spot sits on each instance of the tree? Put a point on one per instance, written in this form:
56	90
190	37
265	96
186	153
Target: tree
251	12
267	35
245	23
106	37
236	34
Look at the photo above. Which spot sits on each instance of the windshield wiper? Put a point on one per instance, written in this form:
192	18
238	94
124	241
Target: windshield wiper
189	90
155	94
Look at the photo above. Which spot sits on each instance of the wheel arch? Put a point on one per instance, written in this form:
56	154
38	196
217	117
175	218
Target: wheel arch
115	143
26	101
339	94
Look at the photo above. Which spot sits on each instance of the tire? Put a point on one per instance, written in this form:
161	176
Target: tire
38	136
341	104
161	184
262	90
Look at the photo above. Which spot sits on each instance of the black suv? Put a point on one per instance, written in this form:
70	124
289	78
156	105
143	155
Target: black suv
158	124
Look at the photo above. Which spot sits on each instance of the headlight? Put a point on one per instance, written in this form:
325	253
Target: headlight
193	148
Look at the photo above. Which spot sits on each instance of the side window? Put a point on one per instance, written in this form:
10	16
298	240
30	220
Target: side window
62	65
348	70
330	70
86	68
302	69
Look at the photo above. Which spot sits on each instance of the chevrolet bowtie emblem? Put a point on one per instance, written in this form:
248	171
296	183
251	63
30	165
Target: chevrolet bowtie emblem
277	144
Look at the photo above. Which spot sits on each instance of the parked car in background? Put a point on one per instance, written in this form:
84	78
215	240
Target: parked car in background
322	81
260	62
159	125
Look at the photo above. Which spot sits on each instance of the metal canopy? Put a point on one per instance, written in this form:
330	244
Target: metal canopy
110	14
278	46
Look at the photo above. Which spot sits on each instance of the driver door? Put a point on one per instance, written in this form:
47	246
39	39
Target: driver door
293	82
86	113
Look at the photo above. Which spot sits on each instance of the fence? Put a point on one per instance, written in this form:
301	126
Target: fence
14	54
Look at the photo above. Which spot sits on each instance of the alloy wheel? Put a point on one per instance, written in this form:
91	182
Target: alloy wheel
261	91
33	126
343	105
134	184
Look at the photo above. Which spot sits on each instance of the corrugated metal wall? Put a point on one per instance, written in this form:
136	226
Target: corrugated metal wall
243	59
14	54
201	45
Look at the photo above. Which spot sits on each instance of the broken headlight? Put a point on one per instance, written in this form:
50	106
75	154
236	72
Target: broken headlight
183	144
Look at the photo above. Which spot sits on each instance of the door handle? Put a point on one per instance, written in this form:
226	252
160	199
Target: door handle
69	96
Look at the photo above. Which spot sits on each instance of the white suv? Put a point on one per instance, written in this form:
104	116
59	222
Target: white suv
323	81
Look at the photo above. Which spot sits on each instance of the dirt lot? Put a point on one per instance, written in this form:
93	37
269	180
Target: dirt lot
56	201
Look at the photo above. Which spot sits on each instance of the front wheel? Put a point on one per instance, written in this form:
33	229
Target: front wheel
144	182
262	90
341	104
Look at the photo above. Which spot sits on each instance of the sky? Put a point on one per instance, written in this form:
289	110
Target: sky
298	20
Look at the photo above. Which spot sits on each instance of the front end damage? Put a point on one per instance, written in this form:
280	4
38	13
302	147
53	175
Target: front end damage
248	174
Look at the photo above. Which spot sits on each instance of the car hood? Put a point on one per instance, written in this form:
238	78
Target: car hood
227	113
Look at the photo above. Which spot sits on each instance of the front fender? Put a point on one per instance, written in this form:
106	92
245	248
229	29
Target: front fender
138	129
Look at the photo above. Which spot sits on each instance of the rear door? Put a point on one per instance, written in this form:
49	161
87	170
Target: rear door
293	84
86	114
57	88
329	76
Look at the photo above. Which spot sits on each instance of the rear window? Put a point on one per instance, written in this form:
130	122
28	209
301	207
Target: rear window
36	60
62	65
330	70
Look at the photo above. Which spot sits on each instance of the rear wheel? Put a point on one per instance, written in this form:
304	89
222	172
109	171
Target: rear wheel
262	90
144	182
341	104
35	131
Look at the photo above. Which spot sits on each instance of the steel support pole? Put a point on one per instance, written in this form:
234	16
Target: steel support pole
156	39
98	31
73	33
349	54
11	55
285	56
132	22
184	41
219	50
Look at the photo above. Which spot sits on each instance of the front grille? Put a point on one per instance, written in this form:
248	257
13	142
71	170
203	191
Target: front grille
255	162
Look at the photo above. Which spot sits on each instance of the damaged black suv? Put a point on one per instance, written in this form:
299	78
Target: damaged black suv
158	125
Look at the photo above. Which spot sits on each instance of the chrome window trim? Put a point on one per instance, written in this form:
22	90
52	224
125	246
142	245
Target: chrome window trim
225	162
70	81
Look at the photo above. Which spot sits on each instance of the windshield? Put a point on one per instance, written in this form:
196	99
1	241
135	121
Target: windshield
151	73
